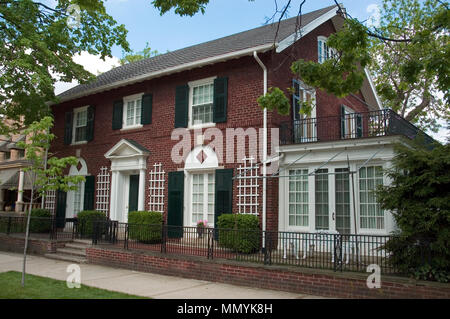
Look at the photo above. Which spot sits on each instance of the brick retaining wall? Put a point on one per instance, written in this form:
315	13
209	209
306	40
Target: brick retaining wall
291	279
37	246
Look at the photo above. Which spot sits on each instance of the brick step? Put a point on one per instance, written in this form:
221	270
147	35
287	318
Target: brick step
71	251
69	258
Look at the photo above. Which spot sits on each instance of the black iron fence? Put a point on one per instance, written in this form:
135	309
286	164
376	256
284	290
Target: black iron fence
45	227
314	250
349	126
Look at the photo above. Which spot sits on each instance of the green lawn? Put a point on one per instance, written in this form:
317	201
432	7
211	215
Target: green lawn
45	288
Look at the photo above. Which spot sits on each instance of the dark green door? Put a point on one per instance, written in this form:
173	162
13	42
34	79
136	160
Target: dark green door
61	198
175	208
134	193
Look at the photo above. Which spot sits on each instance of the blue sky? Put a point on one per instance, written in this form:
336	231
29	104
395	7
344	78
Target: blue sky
222	18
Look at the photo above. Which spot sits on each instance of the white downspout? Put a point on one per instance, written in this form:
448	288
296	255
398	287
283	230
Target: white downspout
264	208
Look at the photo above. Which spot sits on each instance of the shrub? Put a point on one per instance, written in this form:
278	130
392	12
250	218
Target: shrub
41	221
239	232
86	221
145	226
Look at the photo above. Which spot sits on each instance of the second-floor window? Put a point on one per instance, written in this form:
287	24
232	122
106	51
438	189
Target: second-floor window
132	111
324	52
7	156
79	124
201	102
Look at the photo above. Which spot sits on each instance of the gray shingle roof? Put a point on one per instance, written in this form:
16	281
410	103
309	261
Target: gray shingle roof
240	41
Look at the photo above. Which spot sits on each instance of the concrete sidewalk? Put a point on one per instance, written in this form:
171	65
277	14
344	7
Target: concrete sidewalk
141	284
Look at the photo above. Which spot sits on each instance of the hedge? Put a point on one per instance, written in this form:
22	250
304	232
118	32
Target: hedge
145	226
86	221
239	232
40	221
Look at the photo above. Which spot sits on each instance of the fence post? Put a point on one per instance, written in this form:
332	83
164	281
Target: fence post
94	233
210	243
8	229
163	237
125	243
267	248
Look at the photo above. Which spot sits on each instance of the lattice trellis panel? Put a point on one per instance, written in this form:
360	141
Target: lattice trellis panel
156	187
50	200
103	186
248	187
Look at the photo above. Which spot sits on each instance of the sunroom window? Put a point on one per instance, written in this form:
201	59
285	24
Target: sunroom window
298	198
372	216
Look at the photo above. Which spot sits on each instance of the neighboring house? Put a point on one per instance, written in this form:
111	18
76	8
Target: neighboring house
121	128
15	185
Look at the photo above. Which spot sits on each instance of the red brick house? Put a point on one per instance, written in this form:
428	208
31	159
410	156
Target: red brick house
160	134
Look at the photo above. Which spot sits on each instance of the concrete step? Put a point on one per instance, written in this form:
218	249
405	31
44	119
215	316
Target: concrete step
76	246
72	251
69	258
83	241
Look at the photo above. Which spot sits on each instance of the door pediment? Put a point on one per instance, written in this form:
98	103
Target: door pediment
126	148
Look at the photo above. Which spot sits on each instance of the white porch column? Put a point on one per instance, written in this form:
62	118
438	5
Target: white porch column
141	195
113	197
19	203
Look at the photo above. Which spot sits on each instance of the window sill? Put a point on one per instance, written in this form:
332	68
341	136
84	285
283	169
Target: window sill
132	127
200	126
79	143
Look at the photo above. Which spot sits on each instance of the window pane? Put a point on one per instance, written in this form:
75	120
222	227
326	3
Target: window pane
298	198
371	215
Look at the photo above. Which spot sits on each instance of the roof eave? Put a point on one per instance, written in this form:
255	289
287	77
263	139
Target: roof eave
175	69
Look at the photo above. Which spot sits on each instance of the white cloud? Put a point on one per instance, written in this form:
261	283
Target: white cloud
91	63
375	15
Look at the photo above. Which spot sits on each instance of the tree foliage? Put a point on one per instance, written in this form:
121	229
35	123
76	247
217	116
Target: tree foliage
419	199
147	52
408	74
37	44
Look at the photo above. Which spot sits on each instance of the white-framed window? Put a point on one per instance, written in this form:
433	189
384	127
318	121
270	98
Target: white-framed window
322	199
202	197
371	214
201	99
305	126
79	125
132	111
298	198
78	198
324	52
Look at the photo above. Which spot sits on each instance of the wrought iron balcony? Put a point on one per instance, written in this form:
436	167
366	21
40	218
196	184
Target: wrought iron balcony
349	126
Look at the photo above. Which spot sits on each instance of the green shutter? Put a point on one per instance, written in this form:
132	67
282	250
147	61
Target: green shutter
61	198
220	100
343	133
359	129
175	206
68	119
89	193
117	115
90	123
146	110
223	193
181	105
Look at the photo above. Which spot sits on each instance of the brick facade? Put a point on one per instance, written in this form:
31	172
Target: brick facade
291	279
245	85
37	246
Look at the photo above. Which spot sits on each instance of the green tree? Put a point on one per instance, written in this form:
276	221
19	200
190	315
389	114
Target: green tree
147	52
419	199
45	171
38	42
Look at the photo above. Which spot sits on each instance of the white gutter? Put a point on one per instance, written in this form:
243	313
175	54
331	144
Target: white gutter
167	71
264	208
